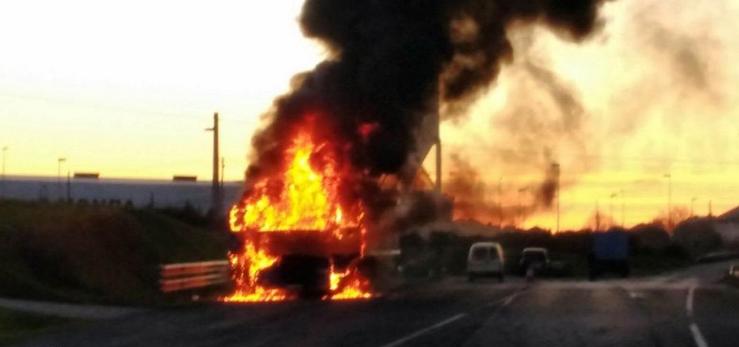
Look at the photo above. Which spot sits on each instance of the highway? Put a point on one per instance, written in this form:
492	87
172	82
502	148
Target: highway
687	308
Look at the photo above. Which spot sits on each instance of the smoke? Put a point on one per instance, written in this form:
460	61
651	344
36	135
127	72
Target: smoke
567	103
472	200
390	61
547	190
475	199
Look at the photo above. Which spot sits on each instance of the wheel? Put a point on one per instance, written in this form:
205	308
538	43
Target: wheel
501	278
470	278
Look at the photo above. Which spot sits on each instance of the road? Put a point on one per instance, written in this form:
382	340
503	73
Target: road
689	308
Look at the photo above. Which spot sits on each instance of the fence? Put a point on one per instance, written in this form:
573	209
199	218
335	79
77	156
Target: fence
183	276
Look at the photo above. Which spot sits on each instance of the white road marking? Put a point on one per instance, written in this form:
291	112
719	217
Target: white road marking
425	330
689	301
507	301
697	336
700	341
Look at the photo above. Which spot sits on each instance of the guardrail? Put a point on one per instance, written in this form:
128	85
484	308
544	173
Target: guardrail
183	276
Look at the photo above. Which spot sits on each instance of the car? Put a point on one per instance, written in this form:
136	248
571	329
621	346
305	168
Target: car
485	259
534	258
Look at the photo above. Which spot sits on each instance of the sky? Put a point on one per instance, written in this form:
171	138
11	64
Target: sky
127	88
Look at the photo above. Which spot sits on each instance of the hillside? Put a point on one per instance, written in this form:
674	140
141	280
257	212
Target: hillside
93	253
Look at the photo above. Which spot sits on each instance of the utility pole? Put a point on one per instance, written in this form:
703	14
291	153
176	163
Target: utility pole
59	162
623	209
500	203
215	187
438	165
223	170
556	168
710	208
437	130
2	191
692	204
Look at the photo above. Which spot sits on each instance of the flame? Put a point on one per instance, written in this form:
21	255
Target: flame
307	201
348	285
247	267
355	289
304	197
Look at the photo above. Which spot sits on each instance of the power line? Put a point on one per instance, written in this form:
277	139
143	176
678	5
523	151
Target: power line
92	105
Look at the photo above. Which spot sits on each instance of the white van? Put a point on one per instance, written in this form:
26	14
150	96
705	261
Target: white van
485	259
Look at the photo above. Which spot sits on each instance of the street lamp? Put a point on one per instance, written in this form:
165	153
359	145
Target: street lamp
59	163
669	200
613	218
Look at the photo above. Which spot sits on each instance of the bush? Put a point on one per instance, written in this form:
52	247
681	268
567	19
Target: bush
697	237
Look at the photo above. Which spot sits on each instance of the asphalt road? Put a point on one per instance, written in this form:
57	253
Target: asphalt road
689	308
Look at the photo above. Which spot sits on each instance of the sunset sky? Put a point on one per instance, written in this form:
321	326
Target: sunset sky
127	88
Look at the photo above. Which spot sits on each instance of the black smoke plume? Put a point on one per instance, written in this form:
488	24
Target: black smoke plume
389	62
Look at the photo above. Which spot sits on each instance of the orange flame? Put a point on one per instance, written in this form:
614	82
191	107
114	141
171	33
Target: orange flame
307	199
348	285
303	198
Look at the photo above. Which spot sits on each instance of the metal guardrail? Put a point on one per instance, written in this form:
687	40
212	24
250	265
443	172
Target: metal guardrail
183	276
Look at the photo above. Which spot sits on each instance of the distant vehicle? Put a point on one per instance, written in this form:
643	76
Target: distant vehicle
610	253
534	258
537	260
485	259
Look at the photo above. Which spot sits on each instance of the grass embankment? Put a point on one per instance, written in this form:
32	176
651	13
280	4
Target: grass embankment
103	254
15	326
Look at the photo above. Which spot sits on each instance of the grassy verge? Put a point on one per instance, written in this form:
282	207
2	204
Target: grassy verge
93	254
16	326
650	265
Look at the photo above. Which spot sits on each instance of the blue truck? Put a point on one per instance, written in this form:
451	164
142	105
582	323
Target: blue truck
609	254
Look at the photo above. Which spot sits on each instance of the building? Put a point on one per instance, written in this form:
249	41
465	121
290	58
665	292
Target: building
140	193
727	225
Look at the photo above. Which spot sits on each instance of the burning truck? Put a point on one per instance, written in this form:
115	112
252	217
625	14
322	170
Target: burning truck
298	239
369	110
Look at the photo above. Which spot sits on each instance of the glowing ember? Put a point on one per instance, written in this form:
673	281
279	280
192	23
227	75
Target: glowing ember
258	294
302	199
